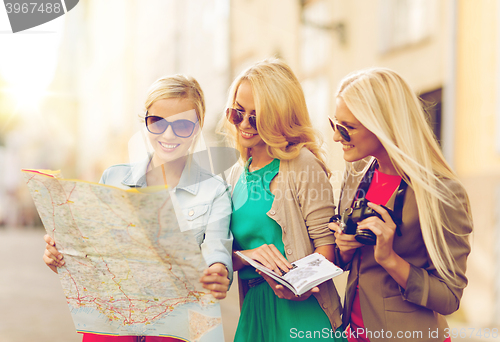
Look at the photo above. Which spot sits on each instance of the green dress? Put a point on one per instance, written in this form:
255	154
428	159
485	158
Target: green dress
264	316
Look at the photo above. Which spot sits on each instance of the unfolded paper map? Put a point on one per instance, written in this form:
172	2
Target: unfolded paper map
129	270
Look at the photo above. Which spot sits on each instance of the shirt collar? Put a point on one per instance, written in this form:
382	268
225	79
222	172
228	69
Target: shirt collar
189	181
190	178
136	177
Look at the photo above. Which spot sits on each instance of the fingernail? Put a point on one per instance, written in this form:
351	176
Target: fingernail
59	256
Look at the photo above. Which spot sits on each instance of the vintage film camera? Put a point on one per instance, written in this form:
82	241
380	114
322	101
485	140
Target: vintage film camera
348	222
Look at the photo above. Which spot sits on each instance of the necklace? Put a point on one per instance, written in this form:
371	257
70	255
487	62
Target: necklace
253	168
164	176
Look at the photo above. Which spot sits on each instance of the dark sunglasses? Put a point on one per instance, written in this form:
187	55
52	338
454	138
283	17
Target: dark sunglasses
158	125
236	116
344	132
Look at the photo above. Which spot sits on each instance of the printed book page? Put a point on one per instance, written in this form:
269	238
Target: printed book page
311	271
306	273
129	269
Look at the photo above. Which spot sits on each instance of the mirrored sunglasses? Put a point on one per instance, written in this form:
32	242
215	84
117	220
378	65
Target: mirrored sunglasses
236	117
181	128
344	132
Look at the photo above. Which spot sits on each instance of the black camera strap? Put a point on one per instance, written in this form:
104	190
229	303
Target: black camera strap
397	213
364	185
398	205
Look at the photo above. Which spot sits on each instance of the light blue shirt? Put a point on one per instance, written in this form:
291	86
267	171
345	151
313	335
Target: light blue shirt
203	199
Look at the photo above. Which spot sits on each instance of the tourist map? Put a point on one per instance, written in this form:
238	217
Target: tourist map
129	269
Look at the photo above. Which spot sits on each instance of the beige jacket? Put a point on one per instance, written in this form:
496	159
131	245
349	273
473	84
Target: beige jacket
303	206
417	311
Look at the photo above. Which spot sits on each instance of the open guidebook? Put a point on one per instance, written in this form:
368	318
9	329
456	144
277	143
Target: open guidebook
306	273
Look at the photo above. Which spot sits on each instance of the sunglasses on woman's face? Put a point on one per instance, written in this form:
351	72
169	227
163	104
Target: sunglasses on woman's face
181	128
236	117
344	132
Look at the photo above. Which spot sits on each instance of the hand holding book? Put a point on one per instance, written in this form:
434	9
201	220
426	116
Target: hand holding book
283	292
268	256
305	274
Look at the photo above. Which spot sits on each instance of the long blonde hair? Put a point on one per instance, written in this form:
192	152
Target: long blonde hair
283	121
385	104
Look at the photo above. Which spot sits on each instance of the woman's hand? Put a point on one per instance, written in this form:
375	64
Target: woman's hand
269	256
384	254
52	258
284	293
345	242
215	278
384	230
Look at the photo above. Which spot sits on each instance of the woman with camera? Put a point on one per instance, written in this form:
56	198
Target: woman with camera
277	216
410	271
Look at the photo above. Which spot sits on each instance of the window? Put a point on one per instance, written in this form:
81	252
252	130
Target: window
406	22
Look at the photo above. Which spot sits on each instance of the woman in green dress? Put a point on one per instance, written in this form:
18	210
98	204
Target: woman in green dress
282	202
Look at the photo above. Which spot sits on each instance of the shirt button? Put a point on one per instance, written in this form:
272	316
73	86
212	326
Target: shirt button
272	212
324	305
288	251
191	213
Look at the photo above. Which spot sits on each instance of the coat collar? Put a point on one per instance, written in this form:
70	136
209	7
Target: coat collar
189	181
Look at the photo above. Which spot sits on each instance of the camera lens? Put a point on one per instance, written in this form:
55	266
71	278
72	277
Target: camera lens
366	237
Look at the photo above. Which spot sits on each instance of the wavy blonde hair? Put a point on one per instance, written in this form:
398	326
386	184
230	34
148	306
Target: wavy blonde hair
283	121
385	104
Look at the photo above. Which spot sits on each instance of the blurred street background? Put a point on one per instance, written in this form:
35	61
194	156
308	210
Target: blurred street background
71	91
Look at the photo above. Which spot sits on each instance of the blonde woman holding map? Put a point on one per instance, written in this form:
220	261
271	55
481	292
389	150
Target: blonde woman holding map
175	112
